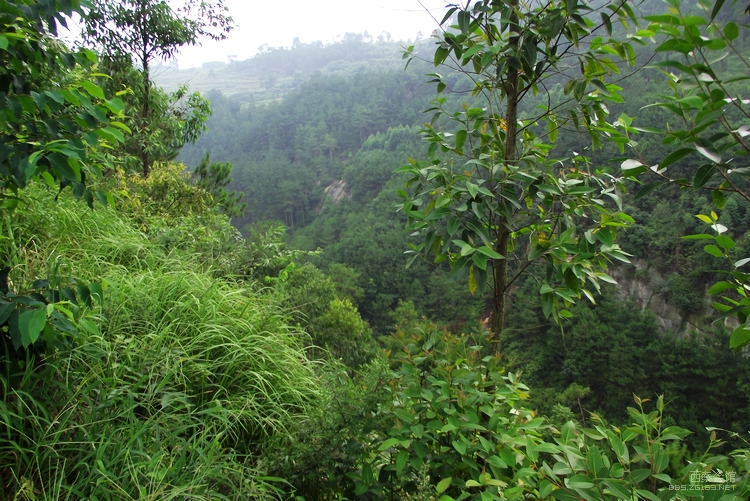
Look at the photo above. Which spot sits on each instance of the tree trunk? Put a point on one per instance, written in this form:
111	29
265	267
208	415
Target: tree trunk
500	281
145	55
144	126
500	270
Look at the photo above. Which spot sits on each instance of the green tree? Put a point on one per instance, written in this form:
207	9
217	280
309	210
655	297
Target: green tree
214	178
148	30
175	118
494	196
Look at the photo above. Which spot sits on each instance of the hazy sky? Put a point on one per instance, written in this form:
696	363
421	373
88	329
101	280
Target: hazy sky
277	23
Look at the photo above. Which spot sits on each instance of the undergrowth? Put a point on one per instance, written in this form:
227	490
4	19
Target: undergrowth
172	390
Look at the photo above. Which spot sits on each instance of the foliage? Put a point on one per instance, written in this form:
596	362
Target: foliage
703	50
703	380
149	30
166	194
328	445
458	422
55	126
334	324
735	302
496	192
55	118
342	331
171	388
175	118
702	54
214	177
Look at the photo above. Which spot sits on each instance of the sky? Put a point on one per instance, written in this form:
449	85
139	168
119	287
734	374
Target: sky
277	23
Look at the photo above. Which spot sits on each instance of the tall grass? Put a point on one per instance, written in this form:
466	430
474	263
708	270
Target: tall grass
177	393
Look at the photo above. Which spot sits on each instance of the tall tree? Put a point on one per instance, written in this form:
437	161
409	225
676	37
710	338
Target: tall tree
175	118
491	201
147	30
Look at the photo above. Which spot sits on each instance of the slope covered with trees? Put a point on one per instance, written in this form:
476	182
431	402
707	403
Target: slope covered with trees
154	348
362	230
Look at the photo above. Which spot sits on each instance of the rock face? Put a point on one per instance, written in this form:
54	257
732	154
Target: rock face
337	191
644	284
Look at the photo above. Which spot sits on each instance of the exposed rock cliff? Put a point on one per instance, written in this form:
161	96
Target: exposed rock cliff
646	285
337	191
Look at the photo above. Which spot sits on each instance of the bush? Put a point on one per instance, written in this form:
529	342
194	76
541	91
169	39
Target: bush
461	429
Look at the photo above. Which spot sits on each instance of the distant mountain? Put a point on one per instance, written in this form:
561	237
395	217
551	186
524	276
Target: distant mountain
276	71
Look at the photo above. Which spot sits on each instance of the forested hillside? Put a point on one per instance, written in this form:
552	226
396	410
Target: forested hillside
299	284
275	71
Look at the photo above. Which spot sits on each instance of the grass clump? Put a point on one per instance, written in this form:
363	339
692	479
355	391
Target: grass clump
174	388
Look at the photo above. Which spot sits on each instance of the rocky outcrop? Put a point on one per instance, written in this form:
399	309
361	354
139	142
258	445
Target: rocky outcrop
645	285
337	191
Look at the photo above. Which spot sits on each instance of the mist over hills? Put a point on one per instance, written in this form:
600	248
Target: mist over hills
275	71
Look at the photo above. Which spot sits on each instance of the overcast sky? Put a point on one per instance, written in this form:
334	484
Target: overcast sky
277	23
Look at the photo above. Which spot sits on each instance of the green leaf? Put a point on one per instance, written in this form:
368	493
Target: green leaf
388	443
443	485
460	139
674	156
90	326
617	471
367	476
640	475
3	42
725	242
453	224
497	462
401	459
694	102
701	236
441	54
563	495
703	175
717	7
6	309
116	106
713	250
537	250
619	447
721	287
719	198
489	252
30	324
740	337
632	167
93	89
693	20
731	31
646	189
618	489
459	446
479	260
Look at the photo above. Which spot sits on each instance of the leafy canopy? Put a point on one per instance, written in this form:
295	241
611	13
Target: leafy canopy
491	201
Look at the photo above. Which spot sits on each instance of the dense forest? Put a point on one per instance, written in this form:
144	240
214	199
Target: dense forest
506	262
